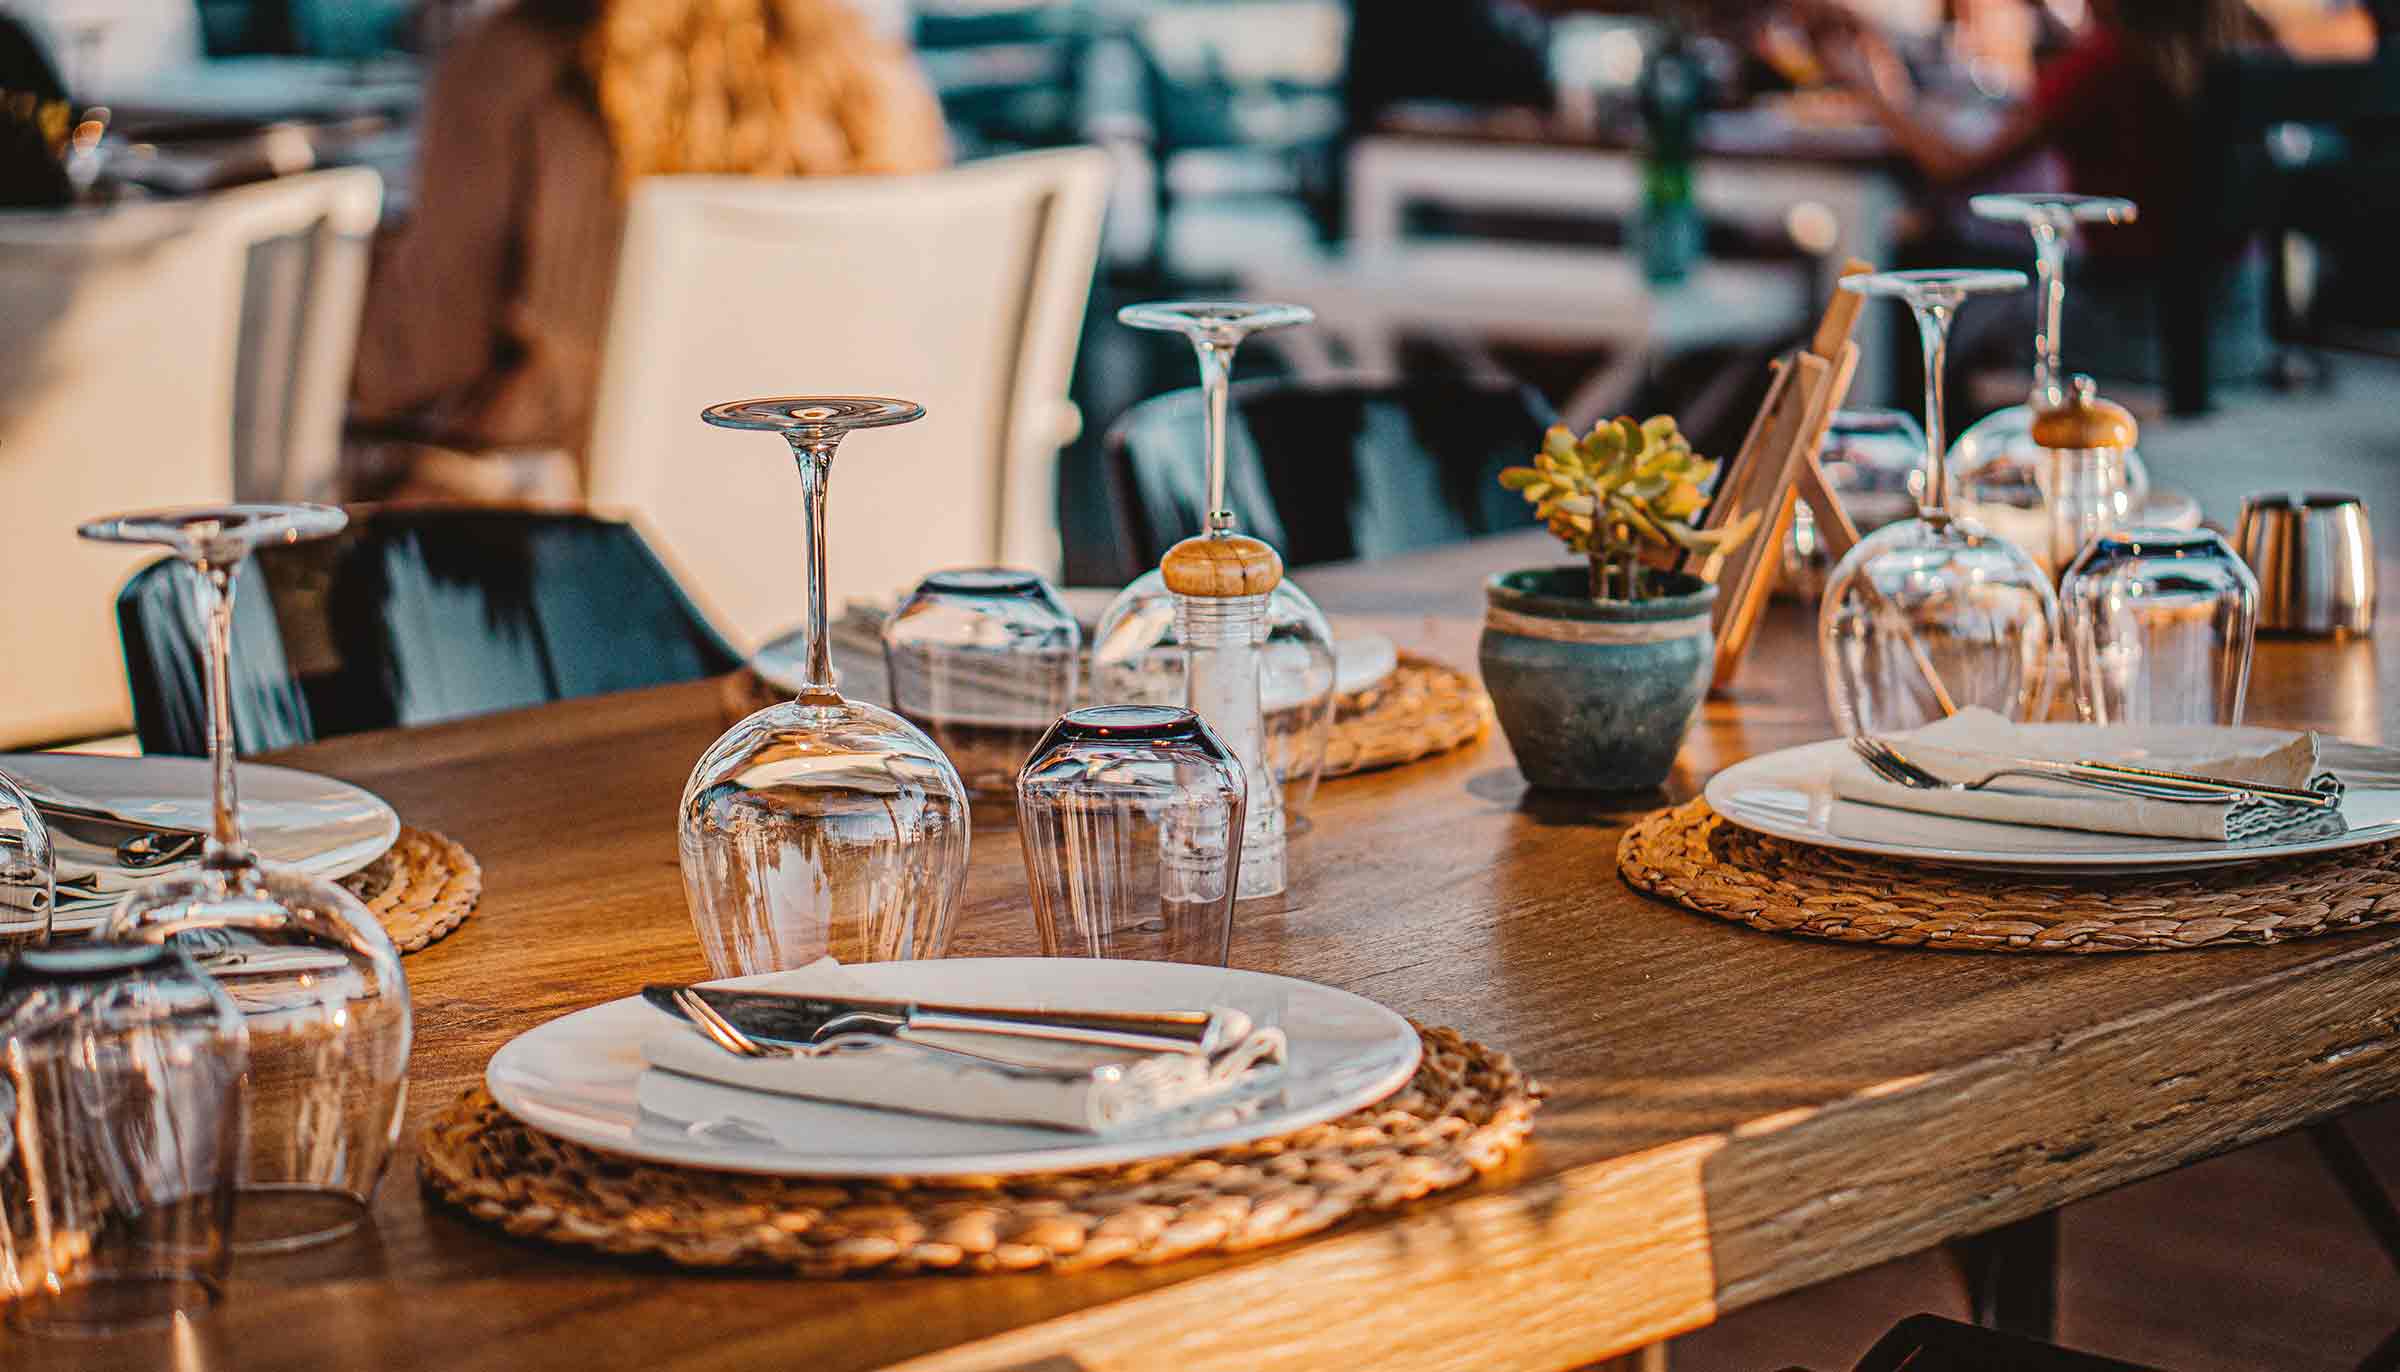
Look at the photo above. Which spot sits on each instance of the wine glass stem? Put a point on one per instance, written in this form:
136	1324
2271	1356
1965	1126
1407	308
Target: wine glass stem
1216	382
2050	277
814	454
1933	330
213	591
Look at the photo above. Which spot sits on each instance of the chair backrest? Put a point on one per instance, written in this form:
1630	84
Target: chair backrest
117	389
963	290
413	616
1330	472
303	289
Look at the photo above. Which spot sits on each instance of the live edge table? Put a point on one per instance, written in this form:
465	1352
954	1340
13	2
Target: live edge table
1733	1114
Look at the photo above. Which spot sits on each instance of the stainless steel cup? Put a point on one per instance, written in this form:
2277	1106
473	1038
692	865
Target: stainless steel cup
2314	557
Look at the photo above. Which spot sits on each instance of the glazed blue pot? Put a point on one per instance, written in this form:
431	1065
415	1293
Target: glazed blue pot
1596	695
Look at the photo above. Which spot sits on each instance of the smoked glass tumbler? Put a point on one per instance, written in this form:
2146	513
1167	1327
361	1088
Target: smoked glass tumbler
1131	817
2159	626
120	1136
821	825
28	871
983	659
314	974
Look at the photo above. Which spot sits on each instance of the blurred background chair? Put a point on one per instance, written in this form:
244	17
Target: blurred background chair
413	616
1329	472
148	357
963	290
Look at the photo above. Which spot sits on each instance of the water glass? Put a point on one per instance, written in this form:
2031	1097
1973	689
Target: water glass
2159	624
983	659
120	1134
28	870
1131	817
1874	460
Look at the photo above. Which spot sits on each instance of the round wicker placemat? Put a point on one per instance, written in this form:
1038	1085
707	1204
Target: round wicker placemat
1421	709
1465	1112
1693	857
422	887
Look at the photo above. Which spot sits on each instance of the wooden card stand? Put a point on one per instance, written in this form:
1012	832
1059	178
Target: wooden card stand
1776	467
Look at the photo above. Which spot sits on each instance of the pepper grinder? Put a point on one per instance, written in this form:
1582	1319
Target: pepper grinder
1221	582
2084	440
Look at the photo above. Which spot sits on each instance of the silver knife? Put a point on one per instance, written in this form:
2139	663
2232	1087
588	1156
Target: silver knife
789	1017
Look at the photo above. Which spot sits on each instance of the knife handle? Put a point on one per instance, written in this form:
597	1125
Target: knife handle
1096	1031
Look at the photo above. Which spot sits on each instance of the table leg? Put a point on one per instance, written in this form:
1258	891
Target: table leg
2011	1275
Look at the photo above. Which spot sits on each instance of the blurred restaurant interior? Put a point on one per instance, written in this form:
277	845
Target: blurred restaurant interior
397	255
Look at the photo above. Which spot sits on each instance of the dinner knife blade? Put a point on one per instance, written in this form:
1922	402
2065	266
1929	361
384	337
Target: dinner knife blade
791	1017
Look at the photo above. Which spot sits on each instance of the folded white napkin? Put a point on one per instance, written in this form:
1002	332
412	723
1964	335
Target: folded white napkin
994	1078
1976	742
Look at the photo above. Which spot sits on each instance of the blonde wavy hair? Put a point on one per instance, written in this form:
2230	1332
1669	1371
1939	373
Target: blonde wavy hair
742	87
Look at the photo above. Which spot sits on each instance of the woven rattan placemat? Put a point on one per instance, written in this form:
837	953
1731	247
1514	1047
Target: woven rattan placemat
1693	857
1421	709
1465	1112
423	887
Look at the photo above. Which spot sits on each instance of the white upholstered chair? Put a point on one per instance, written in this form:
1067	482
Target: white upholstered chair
963	290
118	389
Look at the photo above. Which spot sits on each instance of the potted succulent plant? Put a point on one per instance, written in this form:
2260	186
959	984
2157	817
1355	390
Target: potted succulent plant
1596	670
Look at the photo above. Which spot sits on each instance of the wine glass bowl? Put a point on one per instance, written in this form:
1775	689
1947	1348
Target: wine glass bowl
1933	614
820	825
316	977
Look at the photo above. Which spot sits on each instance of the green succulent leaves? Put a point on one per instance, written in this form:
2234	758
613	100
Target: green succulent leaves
1621	486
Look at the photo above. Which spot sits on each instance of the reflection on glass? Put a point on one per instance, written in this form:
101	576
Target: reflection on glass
821	825
28	870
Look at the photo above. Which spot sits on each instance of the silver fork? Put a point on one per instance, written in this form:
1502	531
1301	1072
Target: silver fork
729	1036
1887	762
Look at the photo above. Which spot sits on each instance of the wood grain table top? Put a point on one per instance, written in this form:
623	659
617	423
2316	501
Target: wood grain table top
1734	1114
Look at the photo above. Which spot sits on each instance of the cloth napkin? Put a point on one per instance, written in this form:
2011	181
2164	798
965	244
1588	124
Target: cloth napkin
992	1078
1975	742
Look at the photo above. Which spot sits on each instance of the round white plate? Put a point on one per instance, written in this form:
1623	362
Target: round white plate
581	1077
1789	795
322	826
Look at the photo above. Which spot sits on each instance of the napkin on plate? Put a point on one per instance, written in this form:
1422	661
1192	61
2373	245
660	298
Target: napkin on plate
1975	742
992	1078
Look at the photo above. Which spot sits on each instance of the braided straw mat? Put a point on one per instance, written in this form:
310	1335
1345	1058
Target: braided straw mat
1467	1110
1421	709
1693	857
423	887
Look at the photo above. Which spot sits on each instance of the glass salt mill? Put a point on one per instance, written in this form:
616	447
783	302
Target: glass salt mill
1221	583
2085	442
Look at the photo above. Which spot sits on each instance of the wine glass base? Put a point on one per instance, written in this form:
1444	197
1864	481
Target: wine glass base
111	1303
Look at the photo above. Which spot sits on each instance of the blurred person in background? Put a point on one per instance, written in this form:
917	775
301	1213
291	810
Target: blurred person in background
479	355
2119	109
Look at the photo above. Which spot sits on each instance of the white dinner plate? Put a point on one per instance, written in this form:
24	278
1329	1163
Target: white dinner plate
581	1076
1789	795
325	827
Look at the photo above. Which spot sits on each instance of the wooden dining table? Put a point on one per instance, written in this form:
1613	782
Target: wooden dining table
1731	1114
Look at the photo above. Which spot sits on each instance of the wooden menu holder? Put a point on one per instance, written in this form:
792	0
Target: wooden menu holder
1776	467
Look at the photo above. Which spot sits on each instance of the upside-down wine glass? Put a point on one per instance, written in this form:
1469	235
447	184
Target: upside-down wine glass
821	825
314	974
1933	614
1137	651
1999	470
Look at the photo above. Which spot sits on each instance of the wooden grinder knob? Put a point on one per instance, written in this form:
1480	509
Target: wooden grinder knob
1217	568
2084	421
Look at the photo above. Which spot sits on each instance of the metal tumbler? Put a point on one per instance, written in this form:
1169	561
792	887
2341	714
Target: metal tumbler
2314	557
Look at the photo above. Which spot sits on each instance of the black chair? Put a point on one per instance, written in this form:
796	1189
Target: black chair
413	616
1329	473
2278	145
1929	1343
